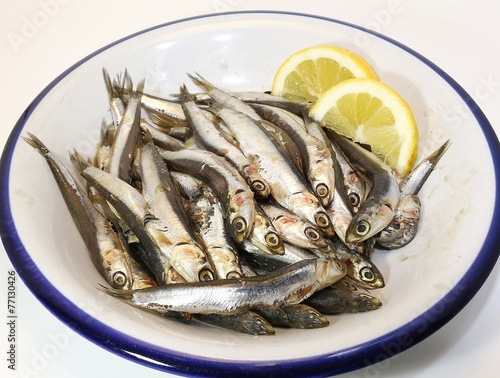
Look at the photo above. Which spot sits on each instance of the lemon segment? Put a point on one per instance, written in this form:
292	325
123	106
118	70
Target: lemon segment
309	73
370	112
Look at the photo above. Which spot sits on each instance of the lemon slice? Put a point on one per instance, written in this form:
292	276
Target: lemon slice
308	73
370	112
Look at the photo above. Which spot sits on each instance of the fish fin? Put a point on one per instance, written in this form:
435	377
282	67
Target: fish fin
201	82
78	161
36	143
125	295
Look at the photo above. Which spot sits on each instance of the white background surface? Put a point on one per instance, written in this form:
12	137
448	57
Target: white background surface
461	37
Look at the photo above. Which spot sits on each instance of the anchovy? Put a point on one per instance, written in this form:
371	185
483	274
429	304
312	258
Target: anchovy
377	211
404	225
291	316
233	191
355	184
343	297
289	285
359	267
262	261
166	112
224	98
264	98
296	230
288	188
213	140
207	220
97	232
316	157
264	235
186	255
132	208
295	316
245	322
125	141
161	138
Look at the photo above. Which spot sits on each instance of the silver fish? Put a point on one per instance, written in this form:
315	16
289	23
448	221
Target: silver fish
161	138
186	255
316	157
288	188
233	191
206	217
296	230
295	316
343	297
359	267
165	112
377	211
224	98
289	285
403	226
213	140
132	208
264	98
264	235
244	322
355	184
97	232
265	262
125	141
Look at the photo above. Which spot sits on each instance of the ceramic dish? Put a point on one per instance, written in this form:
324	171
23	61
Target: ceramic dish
427	282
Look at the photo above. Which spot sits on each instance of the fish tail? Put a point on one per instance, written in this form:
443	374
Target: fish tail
78	161
201	82
36	143
184	94
125	295
438	154
107	82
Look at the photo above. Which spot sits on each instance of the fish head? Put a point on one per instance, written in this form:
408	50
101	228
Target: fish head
241	214
368	223
117	270
364	273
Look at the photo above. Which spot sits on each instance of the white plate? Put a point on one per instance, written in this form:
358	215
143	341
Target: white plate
427	282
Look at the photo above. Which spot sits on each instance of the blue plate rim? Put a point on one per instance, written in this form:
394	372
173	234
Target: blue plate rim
172	361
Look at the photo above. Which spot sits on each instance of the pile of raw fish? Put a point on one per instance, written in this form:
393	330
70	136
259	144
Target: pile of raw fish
235	209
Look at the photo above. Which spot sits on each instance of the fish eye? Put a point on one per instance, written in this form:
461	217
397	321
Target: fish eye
233	275
362	228
119	279
322	190
322	220
311	233
239	224
272	239
258	186
366	274
205	275
354	199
